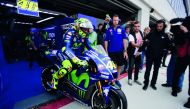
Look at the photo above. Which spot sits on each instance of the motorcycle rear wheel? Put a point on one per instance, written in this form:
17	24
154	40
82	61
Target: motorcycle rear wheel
47	77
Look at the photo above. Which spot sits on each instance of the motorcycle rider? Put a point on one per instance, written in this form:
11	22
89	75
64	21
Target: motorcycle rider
75	41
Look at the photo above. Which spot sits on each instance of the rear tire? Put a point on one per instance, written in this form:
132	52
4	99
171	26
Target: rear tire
117	100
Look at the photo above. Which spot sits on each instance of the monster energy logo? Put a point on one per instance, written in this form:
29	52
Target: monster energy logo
81	93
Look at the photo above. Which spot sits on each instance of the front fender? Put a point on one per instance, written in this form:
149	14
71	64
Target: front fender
90	90
115	87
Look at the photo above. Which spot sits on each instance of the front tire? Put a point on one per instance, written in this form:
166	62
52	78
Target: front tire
117	100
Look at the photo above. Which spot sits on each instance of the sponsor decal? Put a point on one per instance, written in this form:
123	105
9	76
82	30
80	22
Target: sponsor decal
81	93
104	76
119	31
78	79
69	33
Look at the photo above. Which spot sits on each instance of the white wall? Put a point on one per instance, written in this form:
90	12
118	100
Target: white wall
143	18
162	7
143	13
162	10
188	6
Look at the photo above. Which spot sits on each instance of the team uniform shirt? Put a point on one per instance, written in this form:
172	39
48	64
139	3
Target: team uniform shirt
115	39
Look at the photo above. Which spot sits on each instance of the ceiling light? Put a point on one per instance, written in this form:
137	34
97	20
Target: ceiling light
45	12
9	5
45	19
2	4
24	23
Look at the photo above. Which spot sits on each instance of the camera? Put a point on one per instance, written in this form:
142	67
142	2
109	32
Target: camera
179	37
185	21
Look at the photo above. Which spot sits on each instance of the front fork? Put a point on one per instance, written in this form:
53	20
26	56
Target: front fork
103	92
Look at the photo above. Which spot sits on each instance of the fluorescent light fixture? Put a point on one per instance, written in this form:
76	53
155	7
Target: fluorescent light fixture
45	12
9	5
45	19
50	28
24	23
53	14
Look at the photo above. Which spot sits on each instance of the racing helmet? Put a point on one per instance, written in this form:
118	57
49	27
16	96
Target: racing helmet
84	25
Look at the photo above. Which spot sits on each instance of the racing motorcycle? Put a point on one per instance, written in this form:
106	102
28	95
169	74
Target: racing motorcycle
93	86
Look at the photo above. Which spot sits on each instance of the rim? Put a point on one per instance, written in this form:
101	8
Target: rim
96	102
47	77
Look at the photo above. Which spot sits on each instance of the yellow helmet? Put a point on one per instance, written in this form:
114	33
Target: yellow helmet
83	23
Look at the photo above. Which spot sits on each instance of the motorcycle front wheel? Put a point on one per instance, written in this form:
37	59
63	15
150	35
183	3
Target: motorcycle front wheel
117	100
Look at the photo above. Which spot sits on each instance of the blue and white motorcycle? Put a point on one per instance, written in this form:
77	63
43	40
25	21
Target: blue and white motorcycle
93	86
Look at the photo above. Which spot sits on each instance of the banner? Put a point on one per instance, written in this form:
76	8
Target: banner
28	7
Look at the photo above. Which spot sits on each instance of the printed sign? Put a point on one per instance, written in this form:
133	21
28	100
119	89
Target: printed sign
28	7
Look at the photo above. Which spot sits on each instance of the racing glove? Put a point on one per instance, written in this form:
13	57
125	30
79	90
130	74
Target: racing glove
80	63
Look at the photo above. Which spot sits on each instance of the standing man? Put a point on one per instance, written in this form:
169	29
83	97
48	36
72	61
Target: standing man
116	44
183	58
135	41
32	42
127	30
100	33
157	40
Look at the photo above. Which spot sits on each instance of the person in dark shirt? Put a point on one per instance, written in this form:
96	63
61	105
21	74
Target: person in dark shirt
183	58
156	41
171	65
100	34
102	27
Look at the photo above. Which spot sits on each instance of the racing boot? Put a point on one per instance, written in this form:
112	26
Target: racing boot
56	76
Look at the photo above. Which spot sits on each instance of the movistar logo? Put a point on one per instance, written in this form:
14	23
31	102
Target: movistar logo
78	79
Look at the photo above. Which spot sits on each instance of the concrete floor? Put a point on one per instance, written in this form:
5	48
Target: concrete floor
149	99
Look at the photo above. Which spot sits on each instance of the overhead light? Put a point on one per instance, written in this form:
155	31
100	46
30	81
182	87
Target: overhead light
9	5
53	14
2	4
45	19
50	28
24	23
45	12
